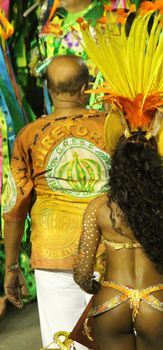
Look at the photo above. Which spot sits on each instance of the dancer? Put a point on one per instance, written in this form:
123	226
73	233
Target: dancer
129	221
126	311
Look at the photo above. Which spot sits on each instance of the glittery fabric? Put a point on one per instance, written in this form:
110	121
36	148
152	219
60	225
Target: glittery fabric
89	242
135	296
126	245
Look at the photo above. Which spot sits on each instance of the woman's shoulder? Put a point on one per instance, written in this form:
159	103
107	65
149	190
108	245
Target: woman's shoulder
96	203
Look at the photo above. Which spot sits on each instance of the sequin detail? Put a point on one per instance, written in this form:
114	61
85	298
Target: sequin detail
86	255
123	245
134	295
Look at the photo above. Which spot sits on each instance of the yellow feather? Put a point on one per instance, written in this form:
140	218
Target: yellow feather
151	50
131	65
141	40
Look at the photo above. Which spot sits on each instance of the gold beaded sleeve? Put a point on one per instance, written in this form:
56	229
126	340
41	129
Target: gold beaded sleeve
86	254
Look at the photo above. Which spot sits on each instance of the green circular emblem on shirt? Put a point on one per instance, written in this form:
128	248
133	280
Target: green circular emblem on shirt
10	194
78	168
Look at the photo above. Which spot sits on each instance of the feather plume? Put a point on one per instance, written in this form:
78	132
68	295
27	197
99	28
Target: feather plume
131	63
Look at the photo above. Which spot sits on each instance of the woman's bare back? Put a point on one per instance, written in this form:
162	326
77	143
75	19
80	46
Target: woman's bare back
123	314
129	266
126	264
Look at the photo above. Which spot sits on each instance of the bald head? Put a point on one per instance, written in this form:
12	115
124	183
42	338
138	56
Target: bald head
67	74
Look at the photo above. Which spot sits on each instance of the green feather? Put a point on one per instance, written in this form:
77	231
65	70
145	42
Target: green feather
136	2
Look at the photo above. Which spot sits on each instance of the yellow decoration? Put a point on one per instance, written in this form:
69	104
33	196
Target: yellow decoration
54	27
130	57
113	130
53	9
123	60
6	29
160	140
62	345
131	63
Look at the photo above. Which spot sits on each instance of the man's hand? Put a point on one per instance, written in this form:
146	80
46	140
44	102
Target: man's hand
15	288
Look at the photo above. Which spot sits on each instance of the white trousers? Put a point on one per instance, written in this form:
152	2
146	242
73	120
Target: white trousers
60	303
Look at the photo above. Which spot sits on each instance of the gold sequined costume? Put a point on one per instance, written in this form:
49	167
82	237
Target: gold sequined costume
135	296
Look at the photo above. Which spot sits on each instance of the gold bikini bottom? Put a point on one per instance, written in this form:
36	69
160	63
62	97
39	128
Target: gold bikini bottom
82	332
135	296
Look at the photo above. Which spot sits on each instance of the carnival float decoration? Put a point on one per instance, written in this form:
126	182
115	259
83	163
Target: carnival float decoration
59	33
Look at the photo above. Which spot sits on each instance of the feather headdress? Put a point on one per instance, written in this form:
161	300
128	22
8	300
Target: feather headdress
127	47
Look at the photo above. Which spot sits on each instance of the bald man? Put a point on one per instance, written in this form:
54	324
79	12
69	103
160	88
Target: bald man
63	41
58	165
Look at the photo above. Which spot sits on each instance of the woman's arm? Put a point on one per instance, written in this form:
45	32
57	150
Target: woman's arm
86	254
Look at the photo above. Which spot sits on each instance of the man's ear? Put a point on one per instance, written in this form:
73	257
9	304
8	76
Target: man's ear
82	92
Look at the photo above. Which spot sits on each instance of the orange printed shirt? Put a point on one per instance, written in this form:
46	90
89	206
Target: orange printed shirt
57	167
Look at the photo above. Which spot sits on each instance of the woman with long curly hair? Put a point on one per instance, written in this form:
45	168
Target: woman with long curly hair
126	311
127	307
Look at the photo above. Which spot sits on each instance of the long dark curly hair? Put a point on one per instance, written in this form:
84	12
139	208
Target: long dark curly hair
136	185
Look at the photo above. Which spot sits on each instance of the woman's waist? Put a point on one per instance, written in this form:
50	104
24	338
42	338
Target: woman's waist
135	270
136	280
